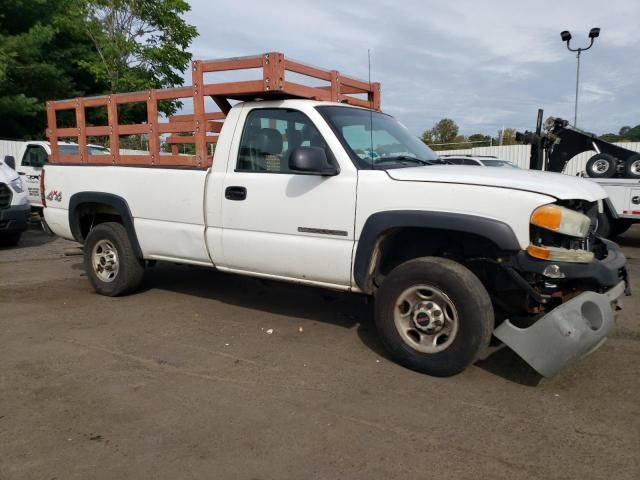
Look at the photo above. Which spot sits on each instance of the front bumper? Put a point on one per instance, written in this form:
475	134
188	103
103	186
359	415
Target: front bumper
14	218
576	327
570	331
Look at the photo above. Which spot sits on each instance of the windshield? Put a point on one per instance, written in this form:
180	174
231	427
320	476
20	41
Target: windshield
498	163
377	140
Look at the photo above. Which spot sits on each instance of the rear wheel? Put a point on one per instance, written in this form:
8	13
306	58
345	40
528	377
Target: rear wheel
601	165
632	166
434	316
110	262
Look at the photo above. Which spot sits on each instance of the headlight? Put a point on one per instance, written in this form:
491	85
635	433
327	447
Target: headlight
558	254
562	220
16	184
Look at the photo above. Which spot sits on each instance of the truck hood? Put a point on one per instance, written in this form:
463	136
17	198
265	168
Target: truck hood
560	186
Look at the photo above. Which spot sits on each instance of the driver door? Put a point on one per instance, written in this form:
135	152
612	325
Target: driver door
282	223
30	168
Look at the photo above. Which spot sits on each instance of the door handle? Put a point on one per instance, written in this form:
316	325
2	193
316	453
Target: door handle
22	173
235	193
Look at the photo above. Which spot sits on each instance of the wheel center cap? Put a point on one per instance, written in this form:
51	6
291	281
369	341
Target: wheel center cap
428	317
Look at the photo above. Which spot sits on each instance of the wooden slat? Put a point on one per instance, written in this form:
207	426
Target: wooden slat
69	159
67	132
273	72
134	129
98	131
114	137
178	160
234	88
237	63
308	70
214	127
152	120
197	77
52	132
133	97
69	104
174	93
82	129
188	117
100	101
176	127
180	139
353	83
306	92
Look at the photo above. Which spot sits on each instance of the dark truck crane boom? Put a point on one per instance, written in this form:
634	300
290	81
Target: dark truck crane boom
556	142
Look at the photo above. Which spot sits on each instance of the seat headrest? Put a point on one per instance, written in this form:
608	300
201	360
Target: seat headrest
269	141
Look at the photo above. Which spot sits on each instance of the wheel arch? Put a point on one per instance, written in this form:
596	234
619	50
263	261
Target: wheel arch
382	225
107	204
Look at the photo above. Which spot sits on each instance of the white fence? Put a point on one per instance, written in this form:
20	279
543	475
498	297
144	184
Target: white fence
520	155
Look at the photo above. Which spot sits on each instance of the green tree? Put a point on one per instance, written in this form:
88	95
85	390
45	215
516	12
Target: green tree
507	136
478	139
40	45
140	44
444	131
54	49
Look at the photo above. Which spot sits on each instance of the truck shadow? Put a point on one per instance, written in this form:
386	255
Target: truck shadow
33	237
306	303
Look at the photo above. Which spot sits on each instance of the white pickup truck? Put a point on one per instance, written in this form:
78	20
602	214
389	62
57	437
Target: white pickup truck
452	254
33	156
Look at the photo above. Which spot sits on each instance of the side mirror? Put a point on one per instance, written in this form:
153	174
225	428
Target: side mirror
11	161
311	161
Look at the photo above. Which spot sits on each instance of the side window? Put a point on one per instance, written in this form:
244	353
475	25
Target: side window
471	162
269	137
455	161
35	156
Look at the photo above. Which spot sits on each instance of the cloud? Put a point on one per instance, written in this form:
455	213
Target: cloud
484	64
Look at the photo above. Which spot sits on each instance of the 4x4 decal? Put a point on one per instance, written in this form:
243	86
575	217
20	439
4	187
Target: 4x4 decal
55	195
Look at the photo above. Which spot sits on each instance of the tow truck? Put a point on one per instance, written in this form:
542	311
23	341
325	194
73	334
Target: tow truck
616	169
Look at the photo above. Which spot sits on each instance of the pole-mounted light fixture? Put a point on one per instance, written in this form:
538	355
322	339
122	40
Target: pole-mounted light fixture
566	37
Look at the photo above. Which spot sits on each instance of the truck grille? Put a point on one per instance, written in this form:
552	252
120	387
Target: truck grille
5	195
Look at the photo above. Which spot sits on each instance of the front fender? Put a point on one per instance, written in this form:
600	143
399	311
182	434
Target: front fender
377	224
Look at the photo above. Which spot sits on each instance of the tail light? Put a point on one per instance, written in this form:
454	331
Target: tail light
43	199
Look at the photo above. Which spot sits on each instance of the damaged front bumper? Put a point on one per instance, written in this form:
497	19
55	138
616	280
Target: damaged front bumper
578	326
566	333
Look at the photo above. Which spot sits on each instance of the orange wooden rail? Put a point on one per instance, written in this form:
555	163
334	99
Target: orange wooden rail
197	127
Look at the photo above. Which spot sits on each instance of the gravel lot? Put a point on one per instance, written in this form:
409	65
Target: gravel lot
208	375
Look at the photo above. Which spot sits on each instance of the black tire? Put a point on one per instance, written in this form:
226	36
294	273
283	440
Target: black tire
130	270
620	226
632	166
470	301
604	227
601	165
10	239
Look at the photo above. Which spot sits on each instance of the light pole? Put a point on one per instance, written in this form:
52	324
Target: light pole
566	37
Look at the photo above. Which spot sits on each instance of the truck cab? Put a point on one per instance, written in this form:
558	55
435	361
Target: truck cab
34	155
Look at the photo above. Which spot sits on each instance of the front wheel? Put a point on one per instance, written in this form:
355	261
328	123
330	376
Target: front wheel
434	316
10	239
110	262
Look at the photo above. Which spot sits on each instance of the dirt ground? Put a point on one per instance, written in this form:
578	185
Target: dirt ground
208	375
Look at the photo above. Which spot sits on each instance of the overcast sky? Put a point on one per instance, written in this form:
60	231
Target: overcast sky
484	64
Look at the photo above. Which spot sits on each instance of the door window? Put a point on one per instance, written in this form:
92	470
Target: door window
35	156
270	135
468	161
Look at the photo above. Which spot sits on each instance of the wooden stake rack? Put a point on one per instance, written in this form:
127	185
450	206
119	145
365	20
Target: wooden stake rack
200	128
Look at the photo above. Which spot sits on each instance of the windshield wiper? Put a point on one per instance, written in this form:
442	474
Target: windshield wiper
404	158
